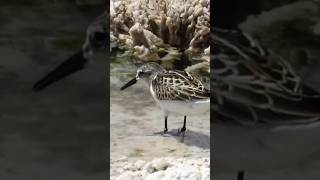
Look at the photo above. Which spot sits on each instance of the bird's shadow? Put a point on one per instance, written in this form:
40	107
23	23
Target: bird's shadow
190	138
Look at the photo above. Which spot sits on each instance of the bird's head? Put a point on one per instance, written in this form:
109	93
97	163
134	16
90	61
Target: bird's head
96	37
95	44
145	72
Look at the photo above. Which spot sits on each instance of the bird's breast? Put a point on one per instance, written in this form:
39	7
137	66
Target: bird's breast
185	107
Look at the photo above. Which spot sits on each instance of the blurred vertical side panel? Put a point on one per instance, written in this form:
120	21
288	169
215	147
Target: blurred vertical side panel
212	115
53	73
265	87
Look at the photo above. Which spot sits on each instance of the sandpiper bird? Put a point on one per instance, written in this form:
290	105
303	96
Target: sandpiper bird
253	85
177	92
95	42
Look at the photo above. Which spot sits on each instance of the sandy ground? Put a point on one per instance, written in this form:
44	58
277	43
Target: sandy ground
136	125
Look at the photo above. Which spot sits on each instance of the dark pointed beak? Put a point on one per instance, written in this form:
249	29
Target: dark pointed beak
130	83
75	63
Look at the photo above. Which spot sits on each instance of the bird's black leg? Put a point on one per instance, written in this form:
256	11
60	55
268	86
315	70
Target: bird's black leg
183	129
165	124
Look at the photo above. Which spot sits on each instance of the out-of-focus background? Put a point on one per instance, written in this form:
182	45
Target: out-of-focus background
292	29
59	133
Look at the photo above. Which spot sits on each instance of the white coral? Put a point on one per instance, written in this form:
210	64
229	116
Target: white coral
166	168
184	24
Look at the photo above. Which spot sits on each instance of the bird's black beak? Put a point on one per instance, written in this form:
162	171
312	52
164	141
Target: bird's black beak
73	64
130	83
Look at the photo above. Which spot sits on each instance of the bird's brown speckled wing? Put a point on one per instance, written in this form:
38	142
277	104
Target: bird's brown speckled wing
251	84
180	86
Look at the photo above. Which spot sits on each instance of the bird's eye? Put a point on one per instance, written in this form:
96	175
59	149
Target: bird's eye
100	36
141	73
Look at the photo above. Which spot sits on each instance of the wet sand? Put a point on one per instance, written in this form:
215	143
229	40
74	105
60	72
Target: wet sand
137	124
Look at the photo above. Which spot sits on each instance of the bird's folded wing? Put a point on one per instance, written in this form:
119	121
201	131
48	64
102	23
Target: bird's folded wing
180	86
253	84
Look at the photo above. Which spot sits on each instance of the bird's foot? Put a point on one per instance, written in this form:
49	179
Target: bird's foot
182	131
163	133
165	130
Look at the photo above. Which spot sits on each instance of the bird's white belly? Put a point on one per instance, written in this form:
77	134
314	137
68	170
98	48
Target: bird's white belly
185	108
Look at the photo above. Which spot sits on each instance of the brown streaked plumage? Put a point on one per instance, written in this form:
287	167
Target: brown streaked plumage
178	86
252	84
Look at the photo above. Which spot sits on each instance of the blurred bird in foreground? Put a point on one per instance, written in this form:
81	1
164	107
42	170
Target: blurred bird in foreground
95	42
